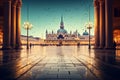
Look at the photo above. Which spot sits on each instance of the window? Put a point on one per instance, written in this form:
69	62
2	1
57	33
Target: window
116	12
1	11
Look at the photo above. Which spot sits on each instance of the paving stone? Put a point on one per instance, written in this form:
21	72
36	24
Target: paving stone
64	76
63	72
56	66
47	76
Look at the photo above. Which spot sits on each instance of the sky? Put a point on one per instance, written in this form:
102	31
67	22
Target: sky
46	15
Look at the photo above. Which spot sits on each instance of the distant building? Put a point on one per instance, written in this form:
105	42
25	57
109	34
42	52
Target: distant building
61	34
67	38
33	40
85	37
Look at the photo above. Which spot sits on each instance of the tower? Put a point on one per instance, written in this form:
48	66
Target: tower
46	32
61	23
52	32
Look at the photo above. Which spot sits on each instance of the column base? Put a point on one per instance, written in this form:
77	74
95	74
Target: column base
18	47
110	48
101	47
96	47
6	48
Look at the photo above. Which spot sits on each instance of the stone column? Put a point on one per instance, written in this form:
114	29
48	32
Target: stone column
7	25
96	23
18	25
13	25
102	23
108	24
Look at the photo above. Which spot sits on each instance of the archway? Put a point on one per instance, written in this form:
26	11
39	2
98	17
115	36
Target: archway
60	36
116	35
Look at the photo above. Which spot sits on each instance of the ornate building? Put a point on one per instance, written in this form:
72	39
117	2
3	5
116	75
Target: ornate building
62	34
67	38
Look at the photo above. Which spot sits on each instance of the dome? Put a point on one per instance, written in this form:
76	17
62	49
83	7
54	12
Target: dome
61	31
85	33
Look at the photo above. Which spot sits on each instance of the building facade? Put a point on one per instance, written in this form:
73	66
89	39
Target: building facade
106	23
62	34
32	40
71	38
116	21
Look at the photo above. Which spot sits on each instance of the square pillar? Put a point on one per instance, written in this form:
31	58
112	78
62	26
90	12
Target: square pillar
102	24
7	25
18	24
108	24
96	23
13	24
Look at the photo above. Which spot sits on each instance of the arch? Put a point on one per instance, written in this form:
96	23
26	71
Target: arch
60	36
116	36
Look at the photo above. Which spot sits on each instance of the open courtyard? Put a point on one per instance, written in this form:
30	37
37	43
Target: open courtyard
59	63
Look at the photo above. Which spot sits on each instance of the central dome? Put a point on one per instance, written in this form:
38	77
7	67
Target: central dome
61	31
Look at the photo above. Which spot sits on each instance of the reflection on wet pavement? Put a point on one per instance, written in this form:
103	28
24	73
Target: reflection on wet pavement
60	63
59	67
15	63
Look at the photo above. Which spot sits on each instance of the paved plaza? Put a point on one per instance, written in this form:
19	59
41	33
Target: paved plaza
59	63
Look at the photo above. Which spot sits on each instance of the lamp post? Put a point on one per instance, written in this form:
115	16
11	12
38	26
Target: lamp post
27	26
89	26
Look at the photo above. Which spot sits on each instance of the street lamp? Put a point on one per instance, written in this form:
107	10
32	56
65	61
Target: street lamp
89	26
27	26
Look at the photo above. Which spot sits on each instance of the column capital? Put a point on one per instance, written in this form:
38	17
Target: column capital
101	2
14	3
7	1
19	3
96	3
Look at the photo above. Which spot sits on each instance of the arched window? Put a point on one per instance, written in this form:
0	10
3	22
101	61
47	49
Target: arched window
116	35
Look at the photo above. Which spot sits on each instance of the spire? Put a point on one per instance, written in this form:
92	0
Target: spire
62	23
70	32
46	32
61	19
76	31
52	32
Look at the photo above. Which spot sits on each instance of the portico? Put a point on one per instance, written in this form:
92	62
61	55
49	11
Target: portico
103	24
12	24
